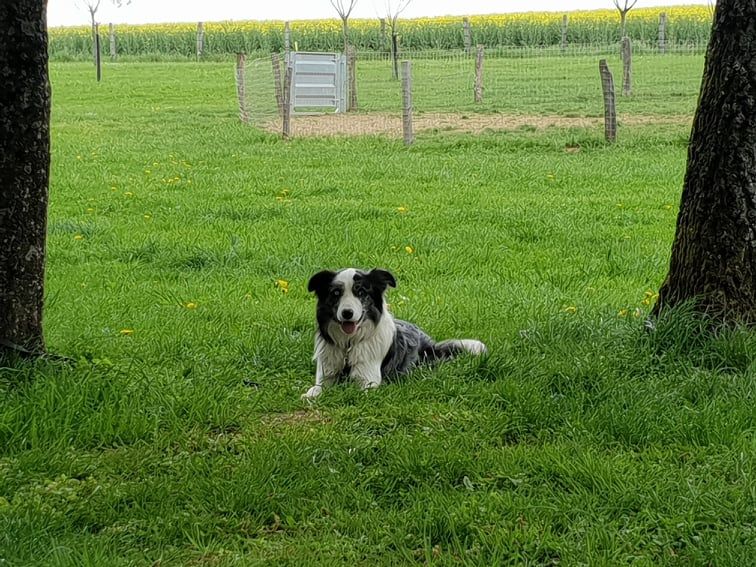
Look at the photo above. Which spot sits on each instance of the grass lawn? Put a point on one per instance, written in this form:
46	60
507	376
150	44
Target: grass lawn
180	244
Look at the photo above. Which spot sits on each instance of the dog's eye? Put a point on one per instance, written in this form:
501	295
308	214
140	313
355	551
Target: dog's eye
336	292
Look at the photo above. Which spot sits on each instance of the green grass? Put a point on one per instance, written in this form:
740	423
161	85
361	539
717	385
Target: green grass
581	439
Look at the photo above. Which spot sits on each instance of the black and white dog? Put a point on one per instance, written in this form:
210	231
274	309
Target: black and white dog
358	337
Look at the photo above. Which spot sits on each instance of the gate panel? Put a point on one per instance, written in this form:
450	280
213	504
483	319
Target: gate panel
318	82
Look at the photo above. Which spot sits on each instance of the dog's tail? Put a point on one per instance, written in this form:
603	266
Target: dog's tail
453	347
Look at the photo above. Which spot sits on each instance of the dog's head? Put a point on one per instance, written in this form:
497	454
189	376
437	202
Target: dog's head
350	298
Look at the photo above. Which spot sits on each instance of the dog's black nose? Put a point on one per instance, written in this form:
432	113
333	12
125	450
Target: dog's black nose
347	314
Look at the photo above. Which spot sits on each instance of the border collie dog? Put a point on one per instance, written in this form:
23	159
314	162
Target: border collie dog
357	336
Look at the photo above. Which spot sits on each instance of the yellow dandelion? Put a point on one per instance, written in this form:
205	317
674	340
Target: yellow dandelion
409	249
283	285
649	297
147	216
401	210
623	312
128	194
637	312
190	305
127	332
551	177
571	309
90	210
79	237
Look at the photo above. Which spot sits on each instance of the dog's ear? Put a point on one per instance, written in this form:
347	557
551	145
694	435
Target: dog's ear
320	281
382	278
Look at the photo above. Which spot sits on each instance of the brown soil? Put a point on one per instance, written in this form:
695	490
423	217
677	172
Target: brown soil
391	125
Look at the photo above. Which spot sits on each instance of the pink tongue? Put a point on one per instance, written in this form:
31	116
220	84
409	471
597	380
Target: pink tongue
348	327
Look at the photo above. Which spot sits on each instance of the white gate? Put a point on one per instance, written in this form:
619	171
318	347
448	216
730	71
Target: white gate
318	82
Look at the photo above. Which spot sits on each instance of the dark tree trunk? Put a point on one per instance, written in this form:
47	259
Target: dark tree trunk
713	260
24	172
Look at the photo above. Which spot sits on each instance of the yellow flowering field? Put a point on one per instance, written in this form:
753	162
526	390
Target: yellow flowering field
687	25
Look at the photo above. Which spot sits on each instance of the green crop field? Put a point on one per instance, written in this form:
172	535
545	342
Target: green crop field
180	244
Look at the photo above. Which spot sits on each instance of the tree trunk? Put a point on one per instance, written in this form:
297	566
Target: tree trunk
713	262
24	172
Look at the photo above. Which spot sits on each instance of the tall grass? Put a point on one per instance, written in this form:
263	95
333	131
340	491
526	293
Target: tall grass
688	25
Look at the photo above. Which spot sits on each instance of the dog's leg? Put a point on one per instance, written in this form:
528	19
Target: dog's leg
325	376
367	375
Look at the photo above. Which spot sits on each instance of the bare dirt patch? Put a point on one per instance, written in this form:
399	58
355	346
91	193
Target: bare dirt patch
390	125
294	418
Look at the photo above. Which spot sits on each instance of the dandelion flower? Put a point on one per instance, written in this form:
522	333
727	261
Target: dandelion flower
79	237
283	285
190	305
623	312
128	194
127	332
409	249
401	210
571	309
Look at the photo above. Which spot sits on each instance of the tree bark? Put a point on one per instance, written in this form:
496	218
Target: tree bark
713	263
24	172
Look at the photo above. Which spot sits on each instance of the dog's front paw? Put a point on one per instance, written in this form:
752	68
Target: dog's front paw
369	385
312	393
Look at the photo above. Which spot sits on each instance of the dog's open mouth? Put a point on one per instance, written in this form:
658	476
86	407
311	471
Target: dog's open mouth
349	327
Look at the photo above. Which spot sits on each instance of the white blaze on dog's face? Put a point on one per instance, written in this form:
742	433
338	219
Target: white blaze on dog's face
349	308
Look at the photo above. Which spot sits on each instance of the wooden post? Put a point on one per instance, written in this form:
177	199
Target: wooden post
409	137
241	88
663	32
479	75
287	42
467	35
627	67
384	38
111	33
200	39
98	57
352	76
564	32
286	130
277	81
610	110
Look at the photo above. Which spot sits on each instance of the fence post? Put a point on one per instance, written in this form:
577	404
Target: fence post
467	35
627	67
98	56
277	81
610	110
287	42
409	137
200	39
384	41
352	74
479	75
241	89
286	130
564	32
663	32
111	33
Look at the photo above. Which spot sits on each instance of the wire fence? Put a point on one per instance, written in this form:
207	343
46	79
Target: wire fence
517	88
